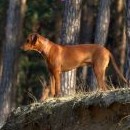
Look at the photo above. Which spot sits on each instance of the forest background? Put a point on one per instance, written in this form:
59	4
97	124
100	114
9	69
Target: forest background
24	74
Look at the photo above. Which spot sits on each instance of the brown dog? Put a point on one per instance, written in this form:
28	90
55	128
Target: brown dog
64	58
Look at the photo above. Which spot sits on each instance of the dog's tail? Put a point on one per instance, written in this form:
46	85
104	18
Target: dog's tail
117	69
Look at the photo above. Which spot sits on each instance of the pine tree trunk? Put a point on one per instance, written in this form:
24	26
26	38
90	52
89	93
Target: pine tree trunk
127	67
2	27
86	36
87	22
13	33
70	35
102	23
117	30
101	31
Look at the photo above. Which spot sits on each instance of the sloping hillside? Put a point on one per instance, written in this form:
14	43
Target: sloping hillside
91	111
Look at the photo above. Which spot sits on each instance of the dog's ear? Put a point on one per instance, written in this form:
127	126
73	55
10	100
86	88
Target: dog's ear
34	38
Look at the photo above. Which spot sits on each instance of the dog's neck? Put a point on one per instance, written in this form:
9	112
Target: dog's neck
45	47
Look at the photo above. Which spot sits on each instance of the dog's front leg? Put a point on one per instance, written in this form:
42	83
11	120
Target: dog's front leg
49	88
57	82
52	87
45	94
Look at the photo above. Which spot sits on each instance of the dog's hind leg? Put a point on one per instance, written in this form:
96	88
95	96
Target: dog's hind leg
99	73
99	69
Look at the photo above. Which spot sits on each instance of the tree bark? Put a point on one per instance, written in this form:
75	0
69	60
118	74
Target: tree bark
87	21
13	33
86	36
127	67
123	49
70	35
120	33
118	29
102	23
101	32
3	7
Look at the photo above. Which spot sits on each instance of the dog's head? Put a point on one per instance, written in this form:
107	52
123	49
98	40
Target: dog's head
35	42
31	42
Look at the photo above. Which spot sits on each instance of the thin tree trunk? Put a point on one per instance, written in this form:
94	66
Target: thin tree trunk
127	67
70	35
123	50
13	30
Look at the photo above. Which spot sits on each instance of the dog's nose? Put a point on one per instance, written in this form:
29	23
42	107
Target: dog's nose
22	47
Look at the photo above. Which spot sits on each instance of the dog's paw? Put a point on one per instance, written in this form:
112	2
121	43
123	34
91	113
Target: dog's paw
58	95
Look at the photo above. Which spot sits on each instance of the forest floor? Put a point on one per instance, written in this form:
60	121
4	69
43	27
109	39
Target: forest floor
108	110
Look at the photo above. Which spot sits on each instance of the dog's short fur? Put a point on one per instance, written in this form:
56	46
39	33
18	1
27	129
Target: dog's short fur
62	58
